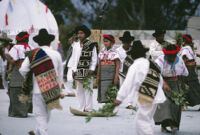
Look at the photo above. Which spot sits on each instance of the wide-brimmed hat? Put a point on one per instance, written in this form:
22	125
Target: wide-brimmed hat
43	37
171	49
126	37
83	28
70	34
158	32
137	47
4	37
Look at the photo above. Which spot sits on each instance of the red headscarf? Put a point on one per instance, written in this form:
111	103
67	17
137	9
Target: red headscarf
109	38
187	38
22	38
172	51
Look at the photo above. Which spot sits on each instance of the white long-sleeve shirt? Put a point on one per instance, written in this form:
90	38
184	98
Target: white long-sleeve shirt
57	62
136	75
122	55
76	53
71	61
155	50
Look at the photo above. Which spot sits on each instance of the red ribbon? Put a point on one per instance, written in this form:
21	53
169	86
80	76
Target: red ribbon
31	29
172	52
6	17
107	36
25	45
188	39
22	38
46	8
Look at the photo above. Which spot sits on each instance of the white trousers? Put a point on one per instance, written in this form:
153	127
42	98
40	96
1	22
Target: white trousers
69	84
143	120
131	96
85	98
42	114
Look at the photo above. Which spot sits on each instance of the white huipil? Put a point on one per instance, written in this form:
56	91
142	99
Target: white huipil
188	52
18	51
42	114
155	50
135	76
122	55
84	96
178	68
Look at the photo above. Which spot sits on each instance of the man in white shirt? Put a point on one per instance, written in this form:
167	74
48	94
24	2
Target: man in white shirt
84	61
157	45
69	90
46	65
122	50
137	81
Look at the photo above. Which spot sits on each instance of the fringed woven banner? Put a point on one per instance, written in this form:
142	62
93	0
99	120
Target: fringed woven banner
43	69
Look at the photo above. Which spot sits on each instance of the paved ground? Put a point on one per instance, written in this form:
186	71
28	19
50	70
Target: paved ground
64	123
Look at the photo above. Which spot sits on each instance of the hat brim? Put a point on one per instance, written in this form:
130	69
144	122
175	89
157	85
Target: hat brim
48	38
144	50
156	34
127	38
5	39
85	30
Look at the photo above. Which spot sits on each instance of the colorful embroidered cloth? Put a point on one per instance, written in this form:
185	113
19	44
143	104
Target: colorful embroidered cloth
45	74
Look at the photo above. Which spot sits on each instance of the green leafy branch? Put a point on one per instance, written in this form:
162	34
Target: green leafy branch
178	38
74	84
179	97
108	108
86	84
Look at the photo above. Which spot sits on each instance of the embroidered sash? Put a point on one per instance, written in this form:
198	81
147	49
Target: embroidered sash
149	87
45	74
127	63
85	60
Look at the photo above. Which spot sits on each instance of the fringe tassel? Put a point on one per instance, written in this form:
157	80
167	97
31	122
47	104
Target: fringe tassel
54	105
143	99
24	98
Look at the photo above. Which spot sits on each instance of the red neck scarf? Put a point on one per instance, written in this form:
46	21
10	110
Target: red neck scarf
25	45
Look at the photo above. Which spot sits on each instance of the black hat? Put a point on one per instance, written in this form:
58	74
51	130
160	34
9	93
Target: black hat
70	34
83	28
43	37
158	32
137	47
127	37
4	37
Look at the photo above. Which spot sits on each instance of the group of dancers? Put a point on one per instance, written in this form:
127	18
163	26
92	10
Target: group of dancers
143	75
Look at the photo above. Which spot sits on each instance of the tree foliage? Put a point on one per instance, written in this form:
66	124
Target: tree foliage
147	14
122	14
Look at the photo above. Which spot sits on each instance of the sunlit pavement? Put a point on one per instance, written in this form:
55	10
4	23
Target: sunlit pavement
64	123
